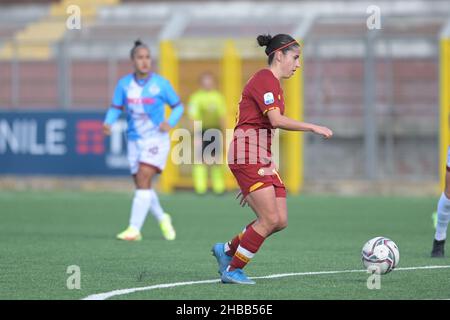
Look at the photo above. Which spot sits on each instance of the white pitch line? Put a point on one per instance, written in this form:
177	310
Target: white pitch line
106	295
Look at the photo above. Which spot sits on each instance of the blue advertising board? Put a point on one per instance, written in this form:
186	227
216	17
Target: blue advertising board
61	143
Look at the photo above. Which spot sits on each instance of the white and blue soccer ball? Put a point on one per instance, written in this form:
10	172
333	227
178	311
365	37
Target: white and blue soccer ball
380	255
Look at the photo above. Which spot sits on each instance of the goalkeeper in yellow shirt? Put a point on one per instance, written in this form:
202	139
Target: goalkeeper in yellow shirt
207	105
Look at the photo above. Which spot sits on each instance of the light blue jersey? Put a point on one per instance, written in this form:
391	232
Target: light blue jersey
143	100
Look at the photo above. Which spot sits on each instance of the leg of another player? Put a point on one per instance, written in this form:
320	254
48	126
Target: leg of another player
200	177
143	178
143	181
140	206
143	196
443	217
217	179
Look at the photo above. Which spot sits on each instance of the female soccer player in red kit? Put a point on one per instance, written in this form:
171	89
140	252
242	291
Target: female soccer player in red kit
261	109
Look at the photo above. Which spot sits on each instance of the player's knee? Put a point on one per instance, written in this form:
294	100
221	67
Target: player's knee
144	178
271	222
143	182
447	185
447	192
282	224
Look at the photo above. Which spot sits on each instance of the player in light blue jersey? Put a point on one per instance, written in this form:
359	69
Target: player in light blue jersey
143	95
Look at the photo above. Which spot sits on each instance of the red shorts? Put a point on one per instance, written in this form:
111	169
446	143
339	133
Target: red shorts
251	177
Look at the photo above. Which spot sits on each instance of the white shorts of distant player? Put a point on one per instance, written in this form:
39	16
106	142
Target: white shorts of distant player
448	158
151	151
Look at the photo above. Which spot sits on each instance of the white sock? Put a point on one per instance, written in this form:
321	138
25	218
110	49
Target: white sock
443	216
139	209
155	207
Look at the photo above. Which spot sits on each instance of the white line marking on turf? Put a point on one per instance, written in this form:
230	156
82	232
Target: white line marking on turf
106	295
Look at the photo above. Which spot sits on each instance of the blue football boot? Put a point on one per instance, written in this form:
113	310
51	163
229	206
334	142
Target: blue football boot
218	251
236	276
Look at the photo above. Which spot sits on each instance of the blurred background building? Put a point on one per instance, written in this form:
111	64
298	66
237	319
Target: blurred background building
378	89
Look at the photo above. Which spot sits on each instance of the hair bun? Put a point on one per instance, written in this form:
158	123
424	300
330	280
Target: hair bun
264	40
138	42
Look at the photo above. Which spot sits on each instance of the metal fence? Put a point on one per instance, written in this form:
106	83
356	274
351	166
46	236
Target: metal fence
377	89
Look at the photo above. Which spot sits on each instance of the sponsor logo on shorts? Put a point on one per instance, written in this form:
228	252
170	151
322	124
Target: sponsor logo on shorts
153	150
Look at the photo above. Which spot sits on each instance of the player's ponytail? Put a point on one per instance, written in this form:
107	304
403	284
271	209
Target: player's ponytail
283	42
137	44
264	40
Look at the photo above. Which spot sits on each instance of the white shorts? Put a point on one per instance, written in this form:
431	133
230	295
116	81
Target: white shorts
448	158
152	152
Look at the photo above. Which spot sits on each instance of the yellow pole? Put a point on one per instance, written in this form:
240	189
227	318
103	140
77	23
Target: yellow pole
231	84
444	140
168	66
293	141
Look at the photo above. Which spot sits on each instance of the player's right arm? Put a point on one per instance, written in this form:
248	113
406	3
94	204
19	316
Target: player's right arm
222	109
268	98
277	120
115	109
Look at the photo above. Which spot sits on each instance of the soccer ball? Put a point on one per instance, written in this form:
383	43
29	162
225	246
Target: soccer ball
380	255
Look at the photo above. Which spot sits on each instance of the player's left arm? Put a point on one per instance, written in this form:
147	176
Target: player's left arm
277	120
172	99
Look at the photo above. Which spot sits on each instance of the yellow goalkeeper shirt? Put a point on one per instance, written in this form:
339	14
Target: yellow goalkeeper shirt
208	107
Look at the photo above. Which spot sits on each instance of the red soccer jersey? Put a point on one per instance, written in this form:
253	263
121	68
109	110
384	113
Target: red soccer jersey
261	94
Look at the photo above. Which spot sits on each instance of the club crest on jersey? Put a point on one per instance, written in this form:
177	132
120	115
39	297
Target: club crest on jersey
268	98
154	89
